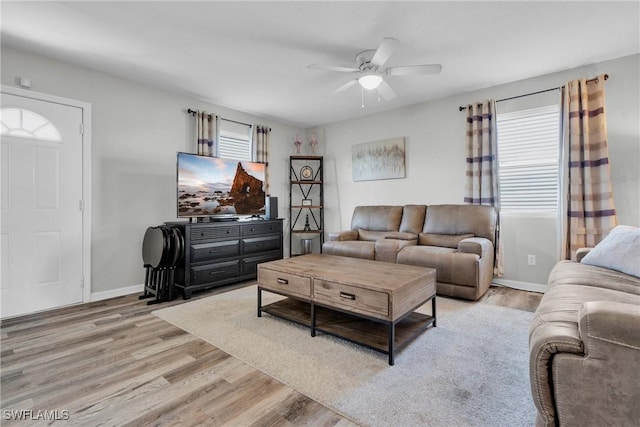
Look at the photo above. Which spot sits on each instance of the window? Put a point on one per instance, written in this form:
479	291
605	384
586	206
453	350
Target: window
234	140
27	124
528	151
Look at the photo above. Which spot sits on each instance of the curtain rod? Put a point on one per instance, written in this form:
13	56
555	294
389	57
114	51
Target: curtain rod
193	113
606	77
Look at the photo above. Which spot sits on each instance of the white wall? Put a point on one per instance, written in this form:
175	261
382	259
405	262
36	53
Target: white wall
136	132
138	129
435	160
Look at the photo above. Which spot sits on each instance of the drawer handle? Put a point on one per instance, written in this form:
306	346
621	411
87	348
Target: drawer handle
282	281
347	296
214	272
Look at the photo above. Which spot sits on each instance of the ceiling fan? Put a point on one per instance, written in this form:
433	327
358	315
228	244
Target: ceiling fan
370	69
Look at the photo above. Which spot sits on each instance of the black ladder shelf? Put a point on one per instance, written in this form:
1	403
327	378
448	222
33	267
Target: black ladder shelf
306	204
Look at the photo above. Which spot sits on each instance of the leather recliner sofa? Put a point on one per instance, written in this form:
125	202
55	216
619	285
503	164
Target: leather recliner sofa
584	344
457	240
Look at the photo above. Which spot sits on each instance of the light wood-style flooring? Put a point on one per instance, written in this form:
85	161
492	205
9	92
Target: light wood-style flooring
113	363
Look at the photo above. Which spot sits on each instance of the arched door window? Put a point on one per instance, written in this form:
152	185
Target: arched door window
27	124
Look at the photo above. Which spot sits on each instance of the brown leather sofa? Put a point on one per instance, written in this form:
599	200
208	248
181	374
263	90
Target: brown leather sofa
584	346
456	240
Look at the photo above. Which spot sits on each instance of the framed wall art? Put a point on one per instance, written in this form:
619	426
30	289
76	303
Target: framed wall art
378	160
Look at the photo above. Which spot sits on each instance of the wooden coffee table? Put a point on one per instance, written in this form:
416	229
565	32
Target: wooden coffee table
371	303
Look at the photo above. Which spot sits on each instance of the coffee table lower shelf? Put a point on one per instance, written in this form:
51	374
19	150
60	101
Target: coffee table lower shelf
369	332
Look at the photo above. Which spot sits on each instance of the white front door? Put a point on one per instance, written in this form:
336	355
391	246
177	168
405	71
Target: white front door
41	205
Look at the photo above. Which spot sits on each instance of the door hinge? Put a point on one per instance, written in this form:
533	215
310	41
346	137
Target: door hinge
82	282
81	205
81	128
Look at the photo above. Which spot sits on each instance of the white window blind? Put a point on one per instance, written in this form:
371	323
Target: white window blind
234	140
528	151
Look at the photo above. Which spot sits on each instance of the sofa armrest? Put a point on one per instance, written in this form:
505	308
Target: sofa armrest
605	325
343	235
581	253
548	340
580	375
600	387
475	245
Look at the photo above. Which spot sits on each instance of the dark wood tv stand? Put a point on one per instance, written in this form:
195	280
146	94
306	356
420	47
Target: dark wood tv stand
220	253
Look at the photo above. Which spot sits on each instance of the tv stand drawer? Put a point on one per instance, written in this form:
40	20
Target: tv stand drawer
255	228
215	272
261	244
215	250
210	232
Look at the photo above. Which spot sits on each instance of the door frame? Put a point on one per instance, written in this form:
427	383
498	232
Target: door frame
86	173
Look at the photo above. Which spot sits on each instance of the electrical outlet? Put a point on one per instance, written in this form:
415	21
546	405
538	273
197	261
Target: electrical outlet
532	259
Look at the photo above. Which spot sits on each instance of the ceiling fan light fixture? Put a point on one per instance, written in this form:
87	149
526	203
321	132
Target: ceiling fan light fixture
370	81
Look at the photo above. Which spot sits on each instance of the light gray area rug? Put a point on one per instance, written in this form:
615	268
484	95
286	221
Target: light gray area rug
471	370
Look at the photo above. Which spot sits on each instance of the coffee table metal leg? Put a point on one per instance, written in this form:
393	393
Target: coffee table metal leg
313	319
259	301
392	338
433	310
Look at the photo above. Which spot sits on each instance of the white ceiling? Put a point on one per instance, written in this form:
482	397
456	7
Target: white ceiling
253	56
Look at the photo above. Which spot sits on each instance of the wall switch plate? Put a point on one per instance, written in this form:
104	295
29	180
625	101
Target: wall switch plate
532	259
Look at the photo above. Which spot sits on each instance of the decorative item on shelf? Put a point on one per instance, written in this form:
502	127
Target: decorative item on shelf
313	142
305	246
306	202
306	173
298	143
307	226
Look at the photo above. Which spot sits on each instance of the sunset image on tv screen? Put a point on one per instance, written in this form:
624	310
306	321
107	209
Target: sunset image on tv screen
212	186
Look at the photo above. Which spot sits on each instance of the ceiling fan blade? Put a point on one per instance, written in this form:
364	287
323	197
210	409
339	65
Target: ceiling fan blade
384	52
345	86
385	90
332	68
414	69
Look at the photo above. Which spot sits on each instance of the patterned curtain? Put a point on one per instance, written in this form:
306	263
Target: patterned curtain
261	138
588	212
206	132
482	182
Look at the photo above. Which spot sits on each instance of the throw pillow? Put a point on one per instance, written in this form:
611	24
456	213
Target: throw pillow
619	251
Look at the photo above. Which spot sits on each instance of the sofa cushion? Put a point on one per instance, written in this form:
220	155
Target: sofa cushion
461	219
560	305
377	218
570	285
344	235
444	240
353	249
574	273
413	218
619	251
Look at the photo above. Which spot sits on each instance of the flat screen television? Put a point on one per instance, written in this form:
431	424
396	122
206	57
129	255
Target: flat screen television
219	188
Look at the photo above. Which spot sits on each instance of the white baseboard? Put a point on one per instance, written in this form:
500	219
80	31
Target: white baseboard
112	293
523	286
